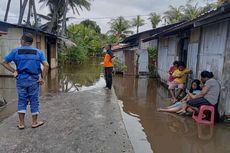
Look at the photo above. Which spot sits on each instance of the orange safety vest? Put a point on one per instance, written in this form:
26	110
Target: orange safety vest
108	61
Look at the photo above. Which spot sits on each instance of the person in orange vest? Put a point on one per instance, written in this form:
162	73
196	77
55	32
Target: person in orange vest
108	65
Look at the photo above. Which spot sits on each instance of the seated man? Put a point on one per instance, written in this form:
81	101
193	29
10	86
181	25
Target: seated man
179	76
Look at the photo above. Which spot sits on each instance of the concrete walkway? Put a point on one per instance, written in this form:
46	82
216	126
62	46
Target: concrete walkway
82	122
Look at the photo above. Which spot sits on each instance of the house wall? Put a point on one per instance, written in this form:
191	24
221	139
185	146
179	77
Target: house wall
7	43
193	49
225	92
212	47
12	40
167	54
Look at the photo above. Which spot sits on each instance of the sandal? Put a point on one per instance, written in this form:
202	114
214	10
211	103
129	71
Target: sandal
39	123
21	127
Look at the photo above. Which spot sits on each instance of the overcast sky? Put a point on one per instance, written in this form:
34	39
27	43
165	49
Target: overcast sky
103	10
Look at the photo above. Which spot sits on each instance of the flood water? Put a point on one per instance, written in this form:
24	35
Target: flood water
158	132
150	131
63	79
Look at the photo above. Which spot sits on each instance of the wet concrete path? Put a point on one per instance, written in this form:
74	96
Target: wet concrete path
152	131
84	122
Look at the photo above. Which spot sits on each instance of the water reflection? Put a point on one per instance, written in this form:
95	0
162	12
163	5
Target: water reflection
166	132
64	79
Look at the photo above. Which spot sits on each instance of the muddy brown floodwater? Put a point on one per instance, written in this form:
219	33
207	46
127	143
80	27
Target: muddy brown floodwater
149	130
152	131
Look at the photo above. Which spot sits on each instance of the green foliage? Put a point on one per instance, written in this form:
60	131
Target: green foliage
186	12
88	43
152	61
152	52
138	22
92	25
120	28
72	55
118	66
154	19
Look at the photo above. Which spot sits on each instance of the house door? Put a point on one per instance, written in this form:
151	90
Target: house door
183	50
129	62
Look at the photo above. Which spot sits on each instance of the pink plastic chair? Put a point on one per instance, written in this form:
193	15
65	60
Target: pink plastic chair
199	118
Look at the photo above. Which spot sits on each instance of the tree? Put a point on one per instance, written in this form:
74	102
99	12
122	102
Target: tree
138	22
7	10
190	12
57	7
74	4
154	19
119	27
92	25
173	15
56	29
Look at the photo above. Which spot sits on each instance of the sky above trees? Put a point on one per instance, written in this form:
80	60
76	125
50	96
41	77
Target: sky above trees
102	11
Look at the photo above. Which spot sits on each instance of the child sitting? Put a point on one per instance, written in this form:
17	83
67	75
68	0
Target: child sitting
195	89
179	76
172	69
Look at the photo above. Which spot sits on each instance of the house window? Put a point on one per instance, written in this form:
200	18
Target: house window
38	41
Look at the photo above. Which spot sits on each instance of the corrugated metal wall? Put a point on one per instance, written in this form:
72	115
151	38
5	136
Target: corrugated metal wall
225	92
212	47
212	52
143	61
166	55
7	43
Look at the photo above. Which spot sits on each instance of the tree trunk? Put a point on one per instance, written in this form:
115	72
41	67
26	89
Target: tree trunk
50	27
137	29
22	10
35	14
64	18
29	14
7	10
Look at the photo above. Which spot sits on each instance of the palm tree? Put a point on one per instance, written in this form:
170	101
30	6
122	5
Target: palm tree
173	15
119	27
22	10
7	10
57	7
154	19
138	22
56	29
191	12
58	4
74	4
92	25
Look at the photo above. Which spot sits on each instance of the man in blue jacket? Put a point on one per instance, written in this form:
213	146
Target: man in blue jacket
28	76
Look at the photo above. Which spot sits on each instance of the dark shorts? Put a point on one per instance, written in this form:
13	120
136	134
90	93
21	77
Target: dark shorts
198	102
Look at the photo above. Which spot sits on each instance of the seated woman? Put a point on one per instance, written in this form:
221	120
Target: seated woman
195	89
209	94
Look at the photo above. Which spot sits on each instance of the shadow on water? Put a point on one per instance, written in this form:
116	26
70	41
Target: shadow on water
67	78
152	131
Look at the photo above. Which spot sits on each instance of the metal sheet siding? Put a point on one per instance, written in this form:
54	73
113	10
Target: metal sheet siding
143	61
7	43
192	58
166	56
211	56
225	92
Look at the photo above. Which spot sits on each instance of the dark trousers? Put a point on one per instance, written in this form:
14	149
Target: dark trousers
108	76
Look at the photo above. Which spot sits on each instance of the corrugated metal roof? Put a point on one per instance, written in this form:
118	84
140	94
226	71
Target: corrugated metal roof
29	28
